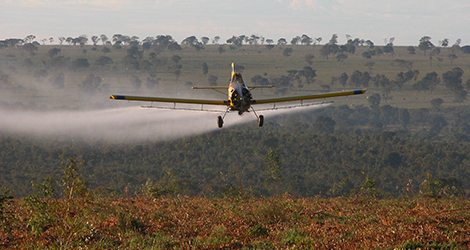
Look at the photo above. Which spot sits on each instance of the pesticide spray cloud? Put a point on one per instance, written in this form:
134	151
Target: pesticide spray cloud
128	124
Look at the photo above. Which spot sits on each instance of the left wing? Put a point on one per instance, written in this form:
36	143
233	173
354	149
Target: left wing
309	97
172	100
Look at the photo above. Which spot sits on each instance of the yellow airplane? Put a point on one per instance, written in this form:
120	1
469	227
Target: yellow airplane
239	98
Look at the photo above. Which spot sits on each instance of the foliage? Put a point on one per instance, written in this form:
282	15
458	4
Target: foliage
276	223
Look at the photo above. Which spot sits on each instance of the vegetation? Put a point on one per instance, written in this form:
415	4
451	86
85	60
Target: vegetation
203	223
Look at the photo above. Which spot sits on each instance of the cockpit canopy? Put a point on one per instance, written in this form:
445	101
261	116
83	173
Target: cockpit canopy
237	77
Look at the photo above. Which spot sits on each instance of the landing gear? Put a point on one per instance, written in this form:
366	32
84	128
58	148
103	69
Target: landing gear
260	120
220	121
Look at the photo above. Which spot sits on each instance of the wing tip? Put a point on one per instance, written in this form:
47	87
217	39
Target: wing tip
360	91
117	97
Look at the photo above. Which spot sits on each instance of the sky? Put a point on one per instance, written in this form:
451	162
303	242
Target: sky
376	20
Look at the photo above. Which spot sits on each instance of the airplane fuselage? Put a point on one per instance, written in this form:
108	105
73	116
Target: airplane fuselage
239	95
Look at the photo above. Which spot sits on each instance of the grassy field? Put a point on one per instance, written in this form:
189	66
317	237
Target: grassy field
257	60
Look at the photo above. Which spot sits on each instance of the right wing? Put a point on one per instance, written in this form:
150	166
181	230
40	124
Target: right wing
172	100
309	97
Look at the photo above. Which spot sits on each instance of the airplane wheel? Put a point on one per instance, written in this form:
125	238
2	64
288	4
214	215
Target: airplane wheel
261	120
220	121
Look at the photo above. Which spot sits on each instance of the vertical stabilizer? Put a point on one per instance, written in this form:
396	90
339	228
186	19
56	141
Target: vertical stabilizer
233	71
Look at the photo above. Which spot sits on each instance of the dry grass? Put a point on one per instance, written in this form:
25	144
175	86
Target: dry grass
202	223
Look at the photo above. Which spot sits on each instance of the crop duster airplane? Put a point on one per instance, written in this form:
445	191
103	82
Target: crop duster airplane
239	98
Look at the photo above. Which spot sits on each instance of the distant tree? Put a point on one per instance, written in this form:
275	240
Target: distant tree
269	46
341	57
380	81
356	78
444	43
343	79
318	40
236	41
30	48
411	50
213	80
173	46
367	54
216	40
82	40
205	40
425	44
403	64
135	39
388	49
329	49
259	80
103	38
334	39
374	100
451	57
269	41
177	73
453	82
29	38
69	40
205	69
370	44
61	40
436	103
105	50
95	40
198	46
295	40
287	52
281	41
146	46
176	59
90	85
308	73
378	51
309	58
53	52
191	40
428	82
253	39
79	63
103	61
239	68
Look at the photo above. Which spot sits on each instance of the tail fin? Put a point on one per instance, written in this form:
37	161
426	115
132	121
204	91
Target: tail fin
233	70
